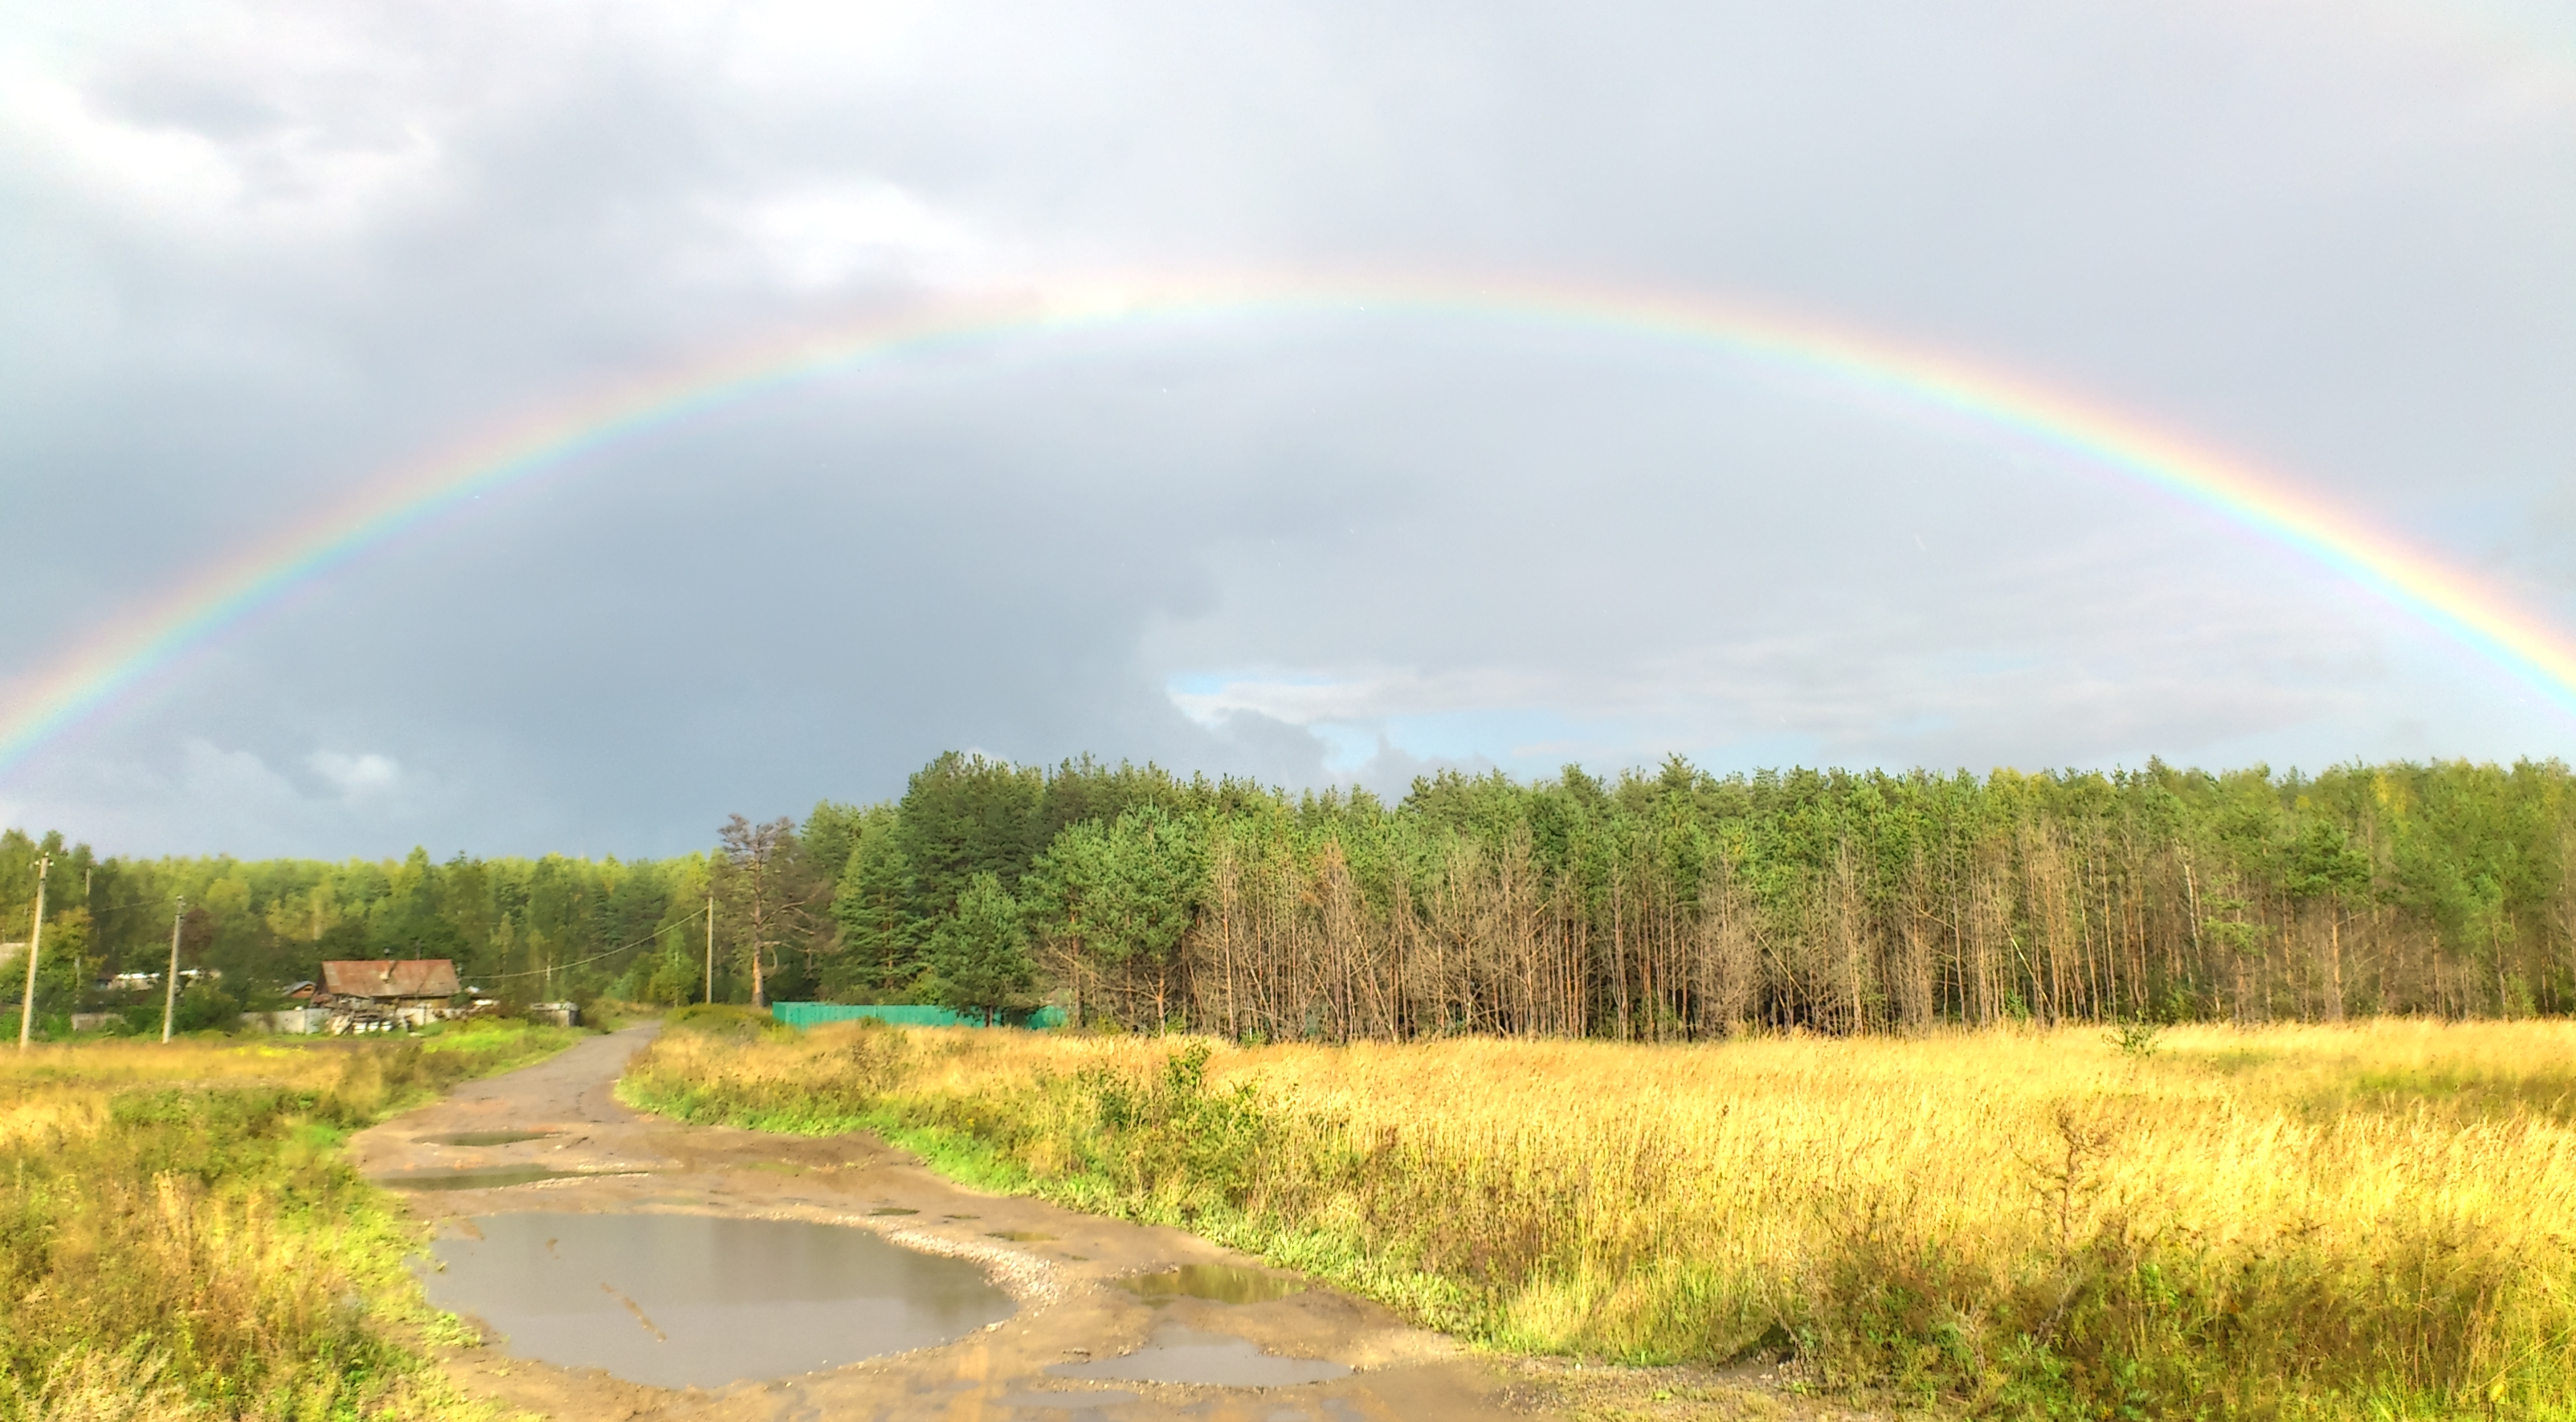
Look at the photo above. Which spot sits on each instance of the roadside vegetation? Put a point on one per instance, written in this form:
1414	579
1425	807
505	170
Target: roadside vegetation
180	1235
2370	1220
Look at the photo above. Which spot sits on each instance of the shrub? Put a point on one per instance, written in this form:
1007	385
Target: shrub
204	1007
729	1021
2292	1223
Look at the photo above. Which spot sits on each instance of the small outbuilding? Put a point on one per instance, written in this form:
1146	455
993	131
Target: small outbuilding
381	994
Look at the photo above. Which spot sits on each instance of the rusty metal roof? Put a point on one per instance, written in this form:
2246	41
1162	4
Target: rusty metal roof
391	977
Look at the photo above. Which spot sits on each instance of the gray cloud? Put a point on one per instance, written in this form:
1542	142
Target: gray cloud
268	255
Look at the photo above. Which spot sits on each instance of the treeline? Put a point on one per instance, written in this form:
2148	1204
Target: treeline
1678	904
520	929
1656	905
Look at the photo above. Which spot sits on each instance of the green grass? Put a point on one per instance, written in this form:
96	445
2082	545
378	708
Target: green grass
2361	1222
181	1233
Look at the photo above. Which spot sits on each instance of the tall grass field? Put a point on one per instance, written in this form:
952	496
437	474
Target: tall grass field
181	1236
2374	1220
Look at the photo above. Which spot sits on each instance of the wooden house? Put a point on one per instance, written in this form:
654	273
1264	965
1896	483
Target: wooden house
381	994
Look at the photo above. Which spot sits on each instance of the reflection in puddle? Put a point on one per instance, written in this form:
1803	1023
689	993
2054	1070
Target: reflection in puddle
492	1179
1186	1355
696	1301
490	1138
1224	1283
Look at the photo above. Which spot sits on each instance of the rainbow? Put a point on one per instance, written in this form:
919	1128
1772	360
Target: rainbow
115	659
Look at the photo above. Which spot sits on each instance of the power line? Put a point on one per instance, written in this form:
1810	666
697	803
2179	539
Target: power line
595	957
112	908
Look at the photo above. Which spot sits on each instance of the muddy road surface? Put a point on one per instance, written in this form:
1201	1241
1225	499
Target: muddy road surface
1046	1315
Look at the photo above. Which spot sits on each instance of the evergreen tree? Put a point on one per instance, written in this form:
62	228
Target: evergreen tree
963	815
980	953
766	895
1118	896
873	903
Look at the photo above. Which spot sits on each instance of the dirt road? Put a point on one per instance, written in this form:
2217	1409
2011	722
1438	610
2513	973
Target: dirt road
1063	1273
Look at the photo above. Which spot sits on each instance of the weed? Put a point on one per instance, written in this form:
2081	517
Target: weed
2136	1037
180	1235
2021	1223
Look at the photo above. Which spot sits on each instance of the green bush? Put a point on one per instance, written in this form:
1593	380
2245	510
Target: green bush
726	1020
204	1007
674	980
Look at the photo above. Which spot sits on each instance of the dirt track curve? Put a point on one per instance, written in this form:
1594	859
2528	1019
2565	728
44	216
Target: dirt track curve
1070	1306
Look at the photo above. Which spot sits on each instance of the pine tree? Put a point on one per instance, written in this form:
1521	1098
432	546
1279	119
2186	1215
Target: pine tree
873	903
981	952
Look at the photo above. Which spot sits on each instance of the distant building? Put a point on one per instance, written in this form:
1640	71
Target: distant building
289	1019
141	981
380	994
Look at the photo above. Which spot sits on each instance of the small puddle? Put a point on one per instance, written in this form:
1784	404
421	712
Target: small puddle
493	1178
1018	1236
1186	1355
491	1138
697	1301
892	1210
1224	1283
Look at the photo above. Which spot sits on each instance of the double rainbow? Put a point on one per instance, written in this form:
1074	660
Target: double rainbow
115	658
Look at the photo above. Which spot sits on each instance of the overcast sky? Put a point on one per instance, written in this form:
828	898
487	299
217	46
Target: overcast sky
255	257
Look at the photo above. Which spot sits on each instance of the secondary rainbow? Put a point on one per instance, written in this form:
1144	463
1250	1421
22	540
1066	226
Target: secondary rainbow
116	658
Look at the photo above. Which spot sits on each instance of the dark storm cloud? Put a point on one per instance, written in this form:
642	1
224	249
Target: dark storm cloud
266	254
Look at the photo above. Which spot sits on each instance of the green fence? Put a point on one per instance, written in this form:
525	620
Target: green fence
904	1014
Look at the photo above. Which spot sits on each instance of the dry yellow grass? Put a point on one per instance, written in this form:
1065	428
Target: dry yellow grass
49	1089
2372	1219
179	1235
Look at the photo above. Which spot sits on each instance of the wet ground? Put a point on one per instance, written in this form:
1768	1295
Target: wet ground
687	1300
1058	1316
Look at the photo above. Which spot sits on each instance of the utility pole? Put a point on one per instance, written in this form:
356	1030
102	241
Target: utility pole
711	946
170	984
35	945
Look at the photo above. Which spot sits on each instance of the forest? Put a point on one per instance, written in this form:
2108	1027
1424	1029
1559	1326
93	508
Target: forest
1654	905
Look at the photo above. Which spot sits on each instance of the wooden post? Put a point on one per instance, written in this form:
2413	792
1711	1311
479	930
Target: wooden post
35	945
170	984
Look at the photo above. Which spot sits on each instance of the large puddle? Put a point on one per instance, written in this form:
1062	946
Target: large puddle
695	1301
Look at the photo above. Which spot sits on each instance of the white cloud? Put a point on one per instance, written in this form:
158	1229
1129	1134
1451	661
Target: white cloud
201	797
211	775
851	232
270	172
1349	697
357	776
